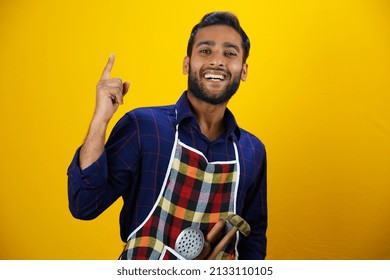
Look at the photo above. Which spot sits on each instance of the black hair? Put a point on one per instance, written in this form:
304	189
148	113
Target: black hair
220	18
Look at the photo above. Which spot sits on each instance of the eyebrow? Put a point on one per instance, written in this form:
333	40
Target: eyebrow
212	43
231	45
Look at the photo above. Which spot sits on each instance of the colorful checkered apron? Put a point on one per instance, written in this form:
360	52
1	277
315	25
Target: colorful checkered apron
195	193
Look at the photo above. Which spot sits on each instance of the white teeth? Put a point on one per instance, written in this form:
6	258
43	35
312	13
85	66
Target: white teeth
214	77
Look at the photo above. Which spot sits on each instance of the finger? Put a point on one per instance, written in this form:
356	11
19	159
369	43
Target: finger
115	97
116	94
126	86
123	90
107	70
117	82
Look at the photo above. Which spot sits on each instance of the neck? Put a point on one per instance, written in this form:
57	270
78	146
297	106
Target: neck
209	116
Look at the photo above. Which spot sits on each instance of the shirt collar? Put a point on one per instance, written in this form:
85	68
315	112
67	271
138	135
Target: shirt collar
184	111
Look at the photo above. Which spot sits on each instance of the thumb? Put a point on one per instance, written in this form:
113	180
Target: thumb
126	86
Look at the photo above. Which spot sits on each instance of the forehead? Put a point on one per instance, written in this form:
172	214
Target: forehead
219	34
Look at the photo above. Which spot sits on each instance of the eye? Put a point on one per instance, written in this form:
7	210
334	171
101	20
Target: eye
205	51
229	53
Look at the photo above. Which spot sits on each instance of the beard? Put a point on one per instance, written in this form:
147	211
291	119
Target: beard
199	91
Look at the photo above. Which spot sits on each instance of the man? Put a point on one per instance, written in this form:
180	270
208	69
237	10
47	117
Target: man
179	167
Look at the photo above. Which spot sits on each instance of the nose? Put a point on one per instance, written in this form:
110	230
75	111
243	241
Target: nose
217	60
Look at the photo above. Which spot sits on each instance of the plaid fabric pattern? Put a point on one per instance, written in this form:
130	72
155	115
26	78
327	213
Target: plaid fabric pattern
168	256
134	164
197	194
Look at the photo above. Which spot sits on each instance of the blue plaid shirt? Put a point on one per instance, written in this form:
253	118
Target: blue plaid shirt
135	161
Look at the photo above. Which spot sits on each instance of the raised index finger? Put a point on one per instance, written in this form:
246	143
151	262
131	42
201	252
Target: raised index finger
107	70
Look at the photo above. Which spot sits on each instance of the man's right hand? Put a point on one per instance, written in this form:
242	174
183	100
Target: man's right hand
109	93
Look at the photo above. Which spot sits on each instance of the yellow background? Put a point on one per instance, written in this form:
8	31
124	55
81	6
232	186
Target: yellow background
317	94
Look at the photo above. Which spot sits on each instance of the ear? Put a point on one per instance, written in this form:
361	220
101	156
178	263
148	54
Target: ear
244	72
186	65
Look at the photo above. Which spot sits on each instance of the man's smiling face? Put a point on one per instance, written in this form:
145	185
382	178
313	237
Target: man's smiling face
216	64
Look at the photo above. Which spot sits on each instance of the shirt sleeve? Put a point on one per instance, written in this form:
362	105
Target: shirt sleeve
94	189
254	246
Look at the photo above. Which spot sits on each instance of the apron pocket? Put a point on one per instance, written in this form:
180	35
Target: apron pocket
169	254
